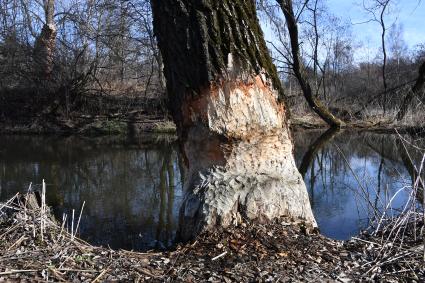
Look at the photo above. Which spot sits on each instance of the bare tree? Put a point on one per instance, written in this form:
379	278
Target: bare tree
299	69
320	32
377	9
397	48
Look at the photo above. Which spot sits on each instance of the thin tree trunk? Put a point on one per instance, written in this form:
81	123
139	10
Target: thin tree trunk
316	45
384	52
415	90
45	44
299	69
226	100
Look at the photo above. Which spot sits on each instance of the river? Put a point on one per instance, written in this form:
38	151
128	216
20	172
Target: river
132	188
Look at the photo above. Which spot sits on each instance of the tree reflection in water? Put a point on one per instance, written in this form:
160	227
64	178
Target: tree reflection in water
351	175
133	189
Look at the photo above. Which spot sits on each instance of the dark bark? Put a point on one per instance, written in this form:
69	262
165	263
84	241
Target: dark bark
415	90
299	70
196	38
384	53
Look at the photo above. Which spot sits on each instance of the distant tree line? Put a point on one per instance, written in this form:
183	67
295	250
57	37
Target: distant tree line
351	89
99	46
108	47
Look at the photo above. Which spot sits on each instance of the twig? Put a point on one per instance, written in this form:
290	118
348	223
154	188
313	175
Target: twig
9	201
72	225
100	275
10	230
78	270
56	273
43	210
369	242
19	241
79	218
64	217
219	256
17	271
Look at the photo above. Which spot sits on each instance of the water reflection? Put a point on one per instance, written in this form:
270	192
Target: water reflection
133	188
351	174
132	191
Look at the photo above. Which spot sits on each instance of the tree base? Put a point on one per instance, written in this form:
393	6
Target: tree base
228	180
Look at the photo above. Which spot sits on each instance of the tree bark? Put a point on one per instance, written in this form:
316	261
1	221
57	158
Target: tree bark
384	52
45	44
226	100
415	90
299	70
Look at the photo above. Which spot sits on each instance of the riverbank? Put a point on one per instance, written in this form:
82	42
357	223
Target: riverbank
36	247
106	125
85	115
99	126
97	115
387	125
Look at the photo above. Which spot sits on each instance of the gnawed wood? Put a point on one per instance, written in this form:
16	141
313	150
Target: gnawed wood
227	102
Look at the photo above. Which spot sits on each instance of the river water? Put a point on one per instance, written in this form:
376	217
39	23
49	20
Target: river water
132	188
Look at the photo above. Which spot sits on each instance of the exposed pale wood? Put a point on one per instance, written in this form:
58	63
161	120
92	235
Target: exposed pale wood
227	102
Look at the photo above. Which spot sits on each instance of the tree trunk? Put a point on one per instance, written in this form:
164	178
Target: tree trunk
45	44
420	81
299	69
226	101
384	53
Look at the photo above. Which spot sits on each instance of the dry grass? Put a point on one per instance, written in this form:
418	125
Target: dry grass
35	246
164	127
393	248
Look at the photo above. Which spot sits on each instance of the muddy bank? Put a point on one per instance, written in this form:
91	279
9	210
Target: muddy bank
98	126
277	251
97	115
90	115
387	125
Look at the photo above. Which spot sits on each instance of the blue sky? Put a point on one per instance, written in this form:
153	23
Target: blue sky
410	13
367	36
